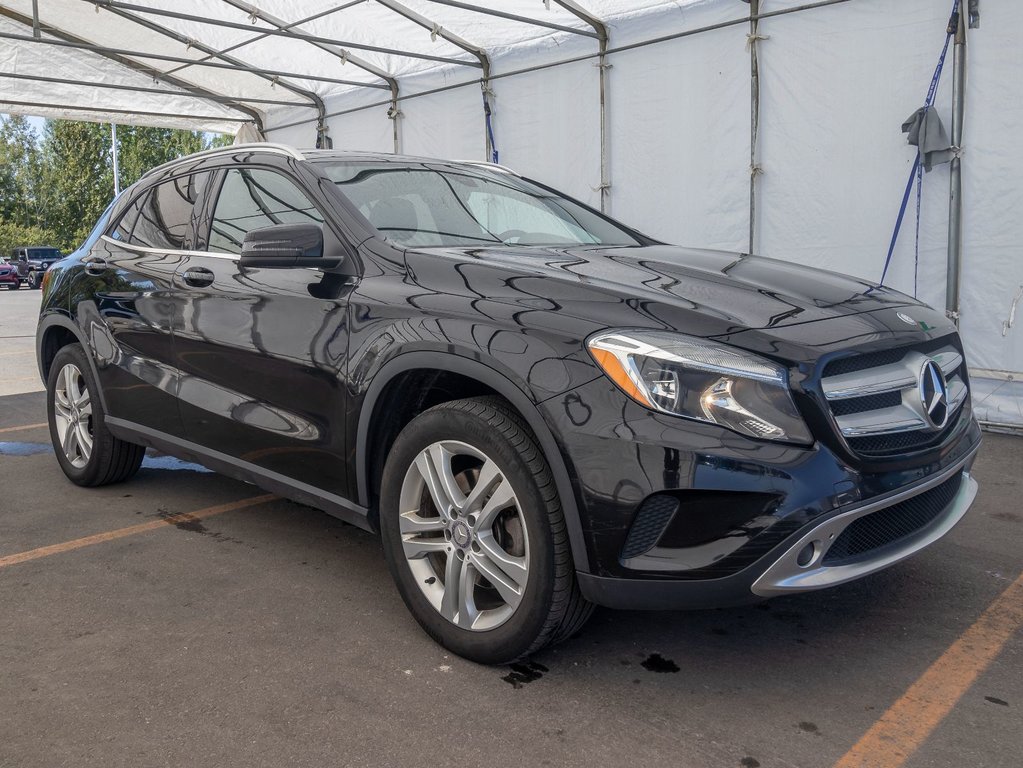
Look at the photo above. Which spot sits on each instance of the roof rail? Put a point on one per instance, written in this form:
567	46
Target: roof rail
257	146
485	164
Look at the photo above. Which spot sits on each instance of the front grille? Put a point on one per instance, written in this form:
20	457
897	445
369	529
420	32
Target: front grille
868	403
892	524
863	362
900	442
875	397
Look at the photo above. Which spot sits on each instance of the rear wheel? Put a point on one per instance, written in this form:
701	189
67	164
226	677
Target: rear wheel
33	280
474	533
86	450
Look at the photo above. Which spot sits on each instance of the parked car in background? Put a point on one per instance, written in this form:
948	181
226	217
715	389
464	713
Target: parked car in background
32	262
538	408
9	277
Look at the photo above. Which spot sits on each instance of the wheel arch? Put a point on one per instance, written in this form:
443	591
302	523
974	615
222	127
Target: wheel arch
54	332
499	384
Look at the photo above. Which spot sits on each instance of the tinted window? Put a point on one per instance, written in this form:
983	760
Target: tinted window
43	253
122	231
253	199
423	204
165	215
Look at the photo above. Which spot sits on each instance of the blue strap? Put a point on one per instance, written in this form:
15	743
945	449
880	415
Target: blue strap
916	172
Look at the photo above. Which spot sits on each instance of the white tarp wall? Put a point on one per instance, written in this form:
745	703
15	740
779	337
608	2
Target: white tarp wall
836	84
837	79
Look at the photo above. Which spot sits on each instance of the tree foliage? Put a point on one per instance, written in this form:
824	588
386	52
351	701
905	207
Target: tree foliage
13	234
54	187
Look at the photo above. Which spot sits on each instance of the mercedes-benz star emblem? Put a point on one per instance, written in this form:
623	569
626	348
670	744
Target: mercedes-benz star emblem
934	394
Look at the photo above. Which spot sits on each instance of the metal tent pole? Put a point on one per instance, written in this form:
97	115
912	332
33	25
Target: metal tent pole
955	199
754	167
113	152
600	29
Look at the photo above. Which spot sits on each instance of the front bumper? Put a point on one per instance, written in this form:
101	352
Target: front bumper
621	455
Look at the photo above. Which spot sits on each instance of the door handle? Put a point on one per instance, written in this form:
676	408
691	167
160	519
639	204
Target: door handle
95	265
198	277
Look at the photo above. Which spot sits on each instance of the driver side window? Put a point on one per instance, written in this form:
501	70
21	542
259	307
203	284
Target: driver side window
253	198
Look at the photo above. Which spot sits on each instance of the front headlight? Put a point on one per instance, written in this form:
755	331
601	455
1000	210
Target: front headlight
698	379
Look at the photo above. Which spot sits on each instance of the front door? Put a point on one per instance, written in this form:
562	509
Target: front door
261	350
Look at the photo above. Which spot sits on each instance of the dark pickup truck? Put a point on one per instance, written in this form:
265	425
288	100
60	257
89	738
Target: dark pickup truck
31	262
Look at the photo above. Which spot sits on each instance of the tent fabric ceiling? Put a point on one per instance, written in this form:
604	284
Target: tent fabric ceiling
257	58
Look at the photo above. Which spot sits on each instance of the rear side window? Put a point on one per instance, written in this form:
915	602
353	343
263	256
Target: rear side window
162	216
253	199
124	226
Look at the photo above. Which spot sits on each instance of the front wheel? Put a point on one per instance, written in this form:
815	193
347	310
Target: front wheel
474	533
33	280
86	450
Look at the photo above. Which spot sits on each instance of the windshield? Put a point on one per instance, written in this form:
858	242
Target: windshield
423	205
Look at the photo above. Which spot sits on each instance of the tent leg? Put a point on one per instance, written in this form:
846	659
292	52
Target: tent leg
955	200
605	181
754	169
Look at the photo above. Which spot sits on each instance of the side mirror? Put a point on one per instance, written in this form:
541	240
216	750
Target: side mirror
285	245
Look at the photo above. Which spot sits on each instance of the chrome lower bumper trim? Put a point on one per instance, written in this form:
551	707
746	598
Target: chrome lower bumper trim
786	575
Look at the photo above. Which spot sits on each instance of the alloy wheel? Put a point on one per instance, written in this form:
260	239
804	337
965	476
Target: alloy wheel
72	409
464	535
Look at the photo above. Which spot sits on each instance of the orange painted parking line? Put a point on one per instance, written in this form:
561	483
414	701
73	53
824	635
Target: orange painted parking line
131	530
26	426
910	720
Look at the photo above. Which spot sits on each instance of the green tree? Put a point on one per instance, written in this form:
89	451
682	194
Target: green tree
77	176
78	168
12	235
20	172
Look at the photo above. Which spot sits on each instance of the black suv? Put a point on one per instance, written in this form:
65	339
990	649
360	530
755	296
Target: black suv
32	262
538	408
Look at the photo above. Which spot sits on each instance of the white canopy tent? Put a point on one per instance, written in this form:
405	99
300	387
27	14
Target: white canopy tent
769	126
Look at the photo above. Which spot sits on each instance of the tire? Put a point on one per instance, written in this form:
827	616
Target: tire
504	509
33	280
85	449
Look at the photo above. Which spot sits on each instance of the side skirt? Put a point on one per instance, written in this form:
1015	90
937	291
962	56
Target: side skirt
274	482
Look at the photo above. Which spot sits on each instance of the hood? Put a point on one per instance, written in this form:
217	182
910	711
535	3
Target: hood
751	301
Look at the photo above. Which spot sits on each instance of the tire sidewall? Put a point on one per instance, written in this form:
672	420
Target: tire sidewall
514	637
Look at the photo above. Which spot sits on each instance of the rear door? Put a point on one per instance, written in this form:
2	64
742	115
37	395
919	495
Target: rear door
261	349
122	306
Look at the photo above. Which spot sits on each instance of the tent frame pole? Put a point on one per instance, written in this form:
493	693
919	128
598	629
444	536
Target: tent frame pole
515	17
198	91
437	30
263	36
954	264
117	5
754	167
114	111
207	95
583	57
322	139
248	69
600	29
